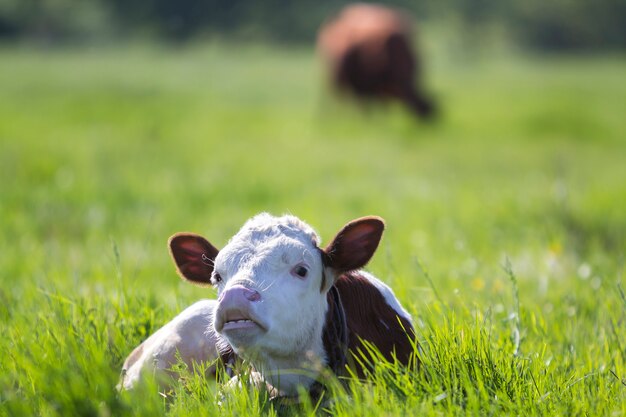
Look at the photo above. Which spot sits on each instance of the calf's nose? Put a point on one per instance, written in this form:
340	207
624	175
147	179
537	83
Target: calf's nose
239	294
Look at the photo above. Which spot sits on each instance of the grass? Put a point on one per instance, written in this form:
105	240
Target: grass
505	240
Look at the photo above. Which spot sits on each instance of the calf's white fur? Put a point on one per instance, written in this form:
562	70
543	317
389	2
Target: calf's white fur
284	304
186	336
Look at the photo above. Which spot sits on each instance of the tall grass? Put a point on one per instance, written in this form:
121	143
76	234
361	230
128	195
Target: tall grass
505	237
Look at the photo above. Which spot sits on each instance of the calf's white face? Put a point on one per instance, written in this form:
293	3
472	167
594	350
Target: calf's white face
268	279
272	280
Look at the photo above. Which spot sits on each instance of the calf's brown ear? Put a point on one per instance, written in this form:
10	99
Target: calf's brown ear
194	257
355	244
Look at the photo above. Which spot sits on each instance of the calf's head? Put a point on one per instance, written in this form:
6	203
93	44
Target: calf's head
272	280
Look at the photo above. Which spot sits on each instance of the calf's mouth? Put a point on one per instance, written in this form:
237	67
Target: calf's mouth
236	319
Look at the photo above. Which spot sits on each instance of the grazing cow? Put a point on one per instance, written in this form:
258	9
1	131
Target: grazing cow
368	51
285	305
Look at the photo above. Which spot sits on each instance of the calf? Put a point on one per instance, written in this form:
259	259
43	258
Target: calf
368	51
287	306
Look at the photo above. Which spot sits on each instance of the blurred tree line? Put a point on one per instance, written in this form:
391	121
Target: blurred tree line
538	24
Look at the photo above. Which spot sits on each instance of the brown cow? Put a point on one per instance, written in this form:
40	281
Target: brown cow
368	51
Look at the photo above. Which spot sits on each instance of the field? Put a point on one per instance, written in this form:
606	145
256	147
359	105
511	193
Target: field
506	220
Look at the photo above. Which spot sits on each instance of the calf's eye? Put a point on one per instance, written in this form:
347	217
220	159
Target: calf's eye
216	278
300	271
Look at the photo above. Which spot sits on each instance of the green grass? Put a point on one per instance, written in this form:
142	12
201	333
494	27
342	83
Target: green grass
505	239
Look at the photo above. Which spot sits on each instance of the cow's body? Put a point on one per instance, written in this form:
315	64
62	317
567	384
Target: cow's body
368	51
285	305
374	314
187	336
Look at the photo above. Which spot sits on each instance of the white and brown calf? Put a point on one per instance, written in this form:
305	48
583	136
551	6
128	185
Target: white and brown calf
284	304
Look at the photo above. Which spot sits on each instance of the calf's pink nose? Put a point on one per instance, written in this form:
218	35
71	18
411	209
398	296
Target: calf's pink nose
237	294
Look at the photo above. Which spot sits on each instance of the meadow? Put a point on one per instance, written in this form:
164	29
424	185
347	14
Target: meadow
506	220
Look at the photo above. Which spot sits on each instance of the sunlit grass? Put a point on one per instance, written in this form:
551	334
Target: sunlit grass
106	153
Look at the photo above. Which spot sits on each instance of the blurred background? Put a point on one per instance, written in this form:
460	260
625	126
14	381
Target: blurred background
116	112
535	24
131	120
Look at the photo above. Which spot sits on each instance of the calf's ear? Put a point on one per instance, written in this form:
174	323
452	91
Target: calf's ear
355	244
194	257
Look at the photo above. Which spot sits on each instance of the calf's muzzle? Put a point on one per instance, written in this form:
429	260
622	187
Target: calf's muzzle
238	294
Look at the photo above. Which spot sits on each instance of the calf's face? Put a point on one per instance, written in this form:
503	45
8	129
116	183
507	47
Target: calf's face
272	280
268	279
